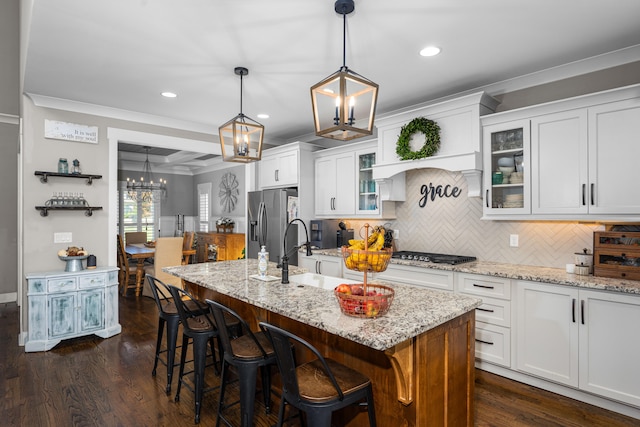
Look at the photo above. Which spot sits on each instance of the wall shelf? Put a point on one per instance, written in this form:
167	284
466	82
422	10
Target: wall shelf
44	176
44	210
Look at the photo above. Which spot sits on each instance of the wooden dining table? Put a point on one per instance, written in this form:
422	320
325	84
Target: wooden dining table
141	252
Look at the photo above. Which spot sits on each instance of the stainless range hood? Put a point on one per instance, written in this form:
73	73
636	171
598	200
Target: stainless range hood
460	143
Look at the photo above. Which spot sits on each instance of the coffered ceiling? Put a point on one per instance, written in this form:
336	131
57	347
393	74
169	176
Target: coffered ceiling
123	53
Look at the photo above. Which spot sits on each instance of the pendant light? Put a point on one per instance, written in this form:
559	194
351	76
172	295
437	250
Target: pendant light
344	104
147	189
241	137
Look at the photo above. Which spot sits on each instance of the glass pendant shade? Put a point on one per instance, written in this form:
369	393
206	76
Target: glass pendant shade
344	105
241	139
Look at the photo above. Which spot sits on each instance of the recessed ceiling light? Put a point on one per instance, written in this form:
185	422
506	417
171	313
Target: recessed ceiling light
169	94
263	116
430	51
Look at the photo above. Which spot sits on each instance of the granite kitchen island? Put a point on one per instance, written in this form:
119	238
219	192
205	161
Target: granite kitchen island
419	355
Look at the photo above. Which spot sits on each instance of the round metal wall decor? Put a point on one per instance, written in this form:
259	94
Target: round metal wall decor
229	192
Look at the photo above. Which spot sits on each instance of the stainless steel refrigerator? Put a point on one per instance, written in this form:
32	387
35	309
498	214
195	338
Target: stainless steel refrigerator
268	218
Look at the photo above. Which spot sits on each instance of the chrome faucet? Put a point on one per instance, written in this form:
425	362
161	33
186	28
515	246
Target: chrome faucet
284	263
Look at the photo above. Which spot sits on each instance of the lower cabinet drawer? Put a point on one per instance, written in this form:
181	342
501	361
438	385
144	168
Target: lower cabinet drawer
494	311
493	344
93	281
62	284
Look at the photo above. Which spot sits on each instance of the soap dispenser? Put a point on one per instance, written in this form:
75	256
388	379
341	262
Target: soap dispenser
263	261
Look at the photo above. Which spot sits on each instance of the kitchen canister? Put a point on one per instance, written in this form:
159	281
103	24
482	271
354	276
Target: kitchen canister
584	258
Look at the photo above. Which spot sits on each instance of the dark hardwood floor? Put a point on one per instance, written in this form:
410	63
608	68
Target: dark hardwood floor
94	382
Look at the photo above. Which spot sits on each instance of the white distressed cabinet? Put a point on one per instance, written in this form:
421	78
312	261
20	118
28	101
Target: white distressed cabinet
71	304
580	338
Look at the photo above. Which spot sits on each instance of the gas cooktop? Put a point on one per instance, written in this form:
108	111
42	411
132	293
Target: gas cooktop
429	257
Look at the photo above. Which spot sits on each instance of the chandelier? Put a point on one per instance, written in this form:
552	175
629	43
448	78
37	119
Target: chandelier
241	137
147	189
344	104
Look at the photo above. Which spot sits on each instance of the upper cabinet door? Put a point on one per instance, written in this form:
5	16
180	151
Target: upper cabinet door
507	168
279	170
559	176
614	132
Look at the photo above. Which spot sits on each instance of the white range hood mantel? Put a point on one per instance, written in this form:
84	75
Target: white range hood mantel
469	164
460	143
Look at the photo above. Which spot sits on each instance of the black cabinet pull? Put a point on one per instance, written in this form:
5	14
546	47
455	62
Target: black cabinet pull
485	309
582	311
482	286
584	190
487	198
484	342
592	190
573	310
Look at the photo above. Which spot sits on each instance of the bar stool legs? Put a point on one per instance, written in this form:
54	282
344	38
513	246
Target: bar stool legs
171	324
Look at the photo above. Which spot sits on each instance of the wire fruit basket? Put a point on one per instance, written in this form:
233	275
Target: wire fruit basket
365	300
355	302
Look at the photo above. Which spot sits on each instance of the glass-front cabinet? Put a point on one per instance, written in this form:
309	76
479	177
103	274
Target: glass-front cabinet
506	168
367	192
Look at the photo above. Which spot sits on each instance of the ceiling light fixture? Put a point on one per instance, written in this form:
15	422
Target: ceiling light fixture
147	189
344	104
168	94
241	137
430	51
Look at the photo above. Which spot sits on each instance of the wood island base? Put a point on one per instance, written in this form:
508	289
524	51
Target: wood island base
425	381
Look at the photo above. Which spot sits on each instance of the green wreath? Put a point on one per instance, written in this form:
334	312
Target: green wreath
431	132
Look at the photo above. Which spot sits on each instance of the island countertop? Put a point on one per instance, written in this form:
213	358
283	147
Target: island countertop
413	311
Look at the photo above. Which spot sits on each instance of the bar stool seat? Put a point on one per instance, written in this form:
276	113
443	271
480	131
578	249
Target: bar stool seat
318	387
247	353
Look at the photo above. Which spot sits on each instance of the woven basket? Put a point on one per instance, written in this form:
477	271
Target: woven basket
366	306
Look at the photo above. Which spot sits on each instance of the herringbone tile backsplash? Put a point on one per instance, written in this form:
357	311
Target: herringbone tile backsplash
453	226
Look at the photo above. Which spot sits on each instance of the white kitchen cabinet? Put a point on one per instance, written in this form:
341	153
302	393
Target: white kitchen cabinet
493	317
610	345
582	159
506	168
418	276
335	178
279	169
322	264
580	338
613	158
71	304
559	163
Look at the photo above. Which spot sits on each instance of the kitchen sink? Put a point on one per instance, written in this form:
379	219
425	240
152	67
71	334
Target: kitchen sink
318	280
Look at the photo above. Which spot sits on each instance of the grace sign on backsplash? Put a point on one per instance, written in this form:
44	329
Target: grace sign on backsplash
439	191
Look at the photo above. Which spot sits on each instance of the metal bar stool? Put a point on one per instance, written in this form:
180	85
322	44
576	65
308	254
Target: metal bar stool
199	328
319	387
168	317
246	354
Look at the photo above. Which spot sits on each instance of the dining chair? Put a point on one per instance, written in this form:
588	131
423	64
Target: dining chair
247	353
168	253
126	271
133	237
187	246
319	387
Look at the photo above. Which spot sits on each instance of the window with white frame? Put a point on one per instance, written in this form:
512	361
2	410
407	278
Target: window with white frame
137	215
204	206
